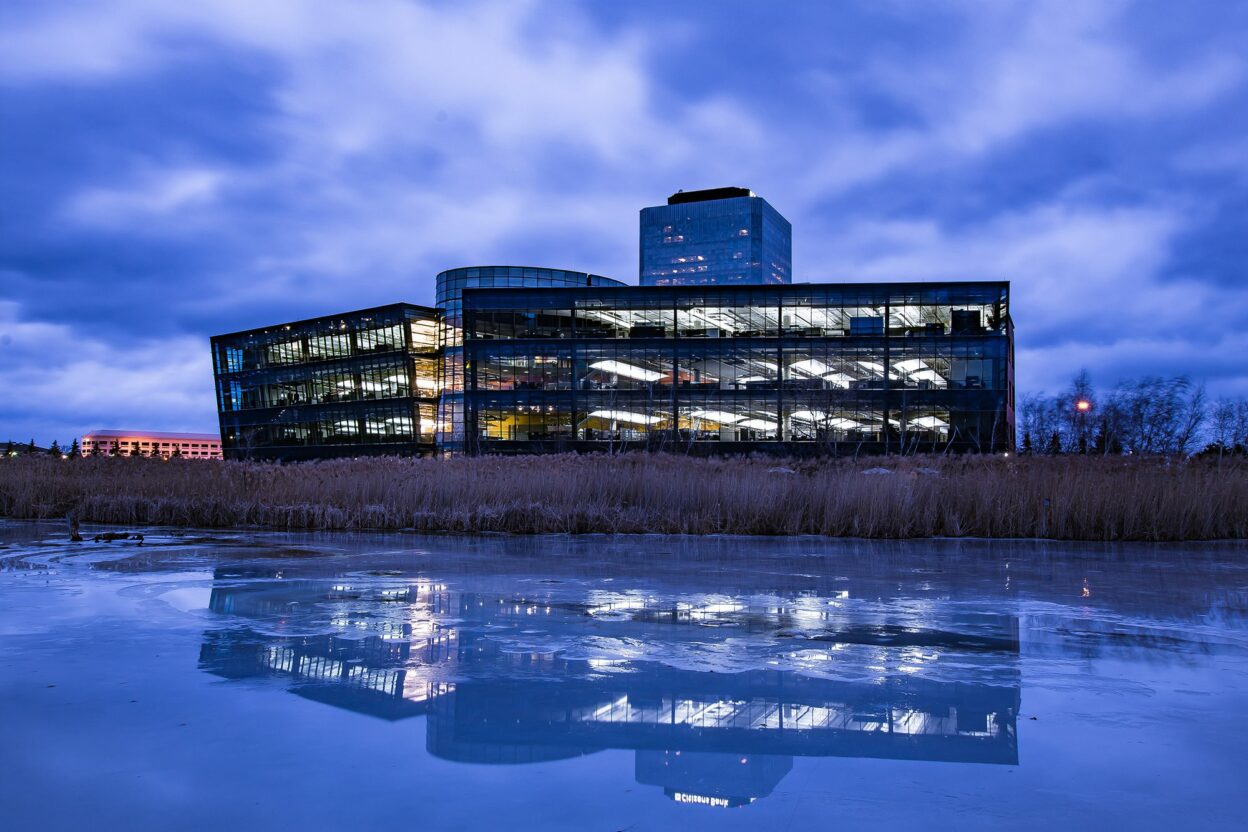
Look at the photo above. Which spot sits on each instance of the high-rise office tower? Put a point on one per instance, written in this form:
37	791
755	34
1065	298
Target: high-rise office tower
720	235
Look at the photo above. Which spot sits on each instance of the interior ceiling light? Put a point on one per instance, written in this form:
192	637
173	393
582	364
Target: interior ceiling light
839	379
625	416
757	424
909	365
721	416
810	366
606	316
619	368
821	419
809	415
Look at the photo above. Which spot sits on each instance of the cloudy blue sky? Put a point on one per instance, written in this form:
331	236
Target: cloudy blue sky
169	170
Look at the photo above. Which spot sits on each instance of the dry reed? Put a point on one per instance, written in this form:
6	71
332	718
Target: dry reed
1073	498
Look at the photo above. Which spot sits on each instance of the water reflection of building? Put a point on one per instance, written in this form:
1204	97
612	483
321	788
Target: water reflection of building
702	778
706	738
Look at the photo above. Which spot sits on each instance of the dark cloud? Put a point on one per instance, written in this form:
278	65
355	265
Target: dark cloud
168	171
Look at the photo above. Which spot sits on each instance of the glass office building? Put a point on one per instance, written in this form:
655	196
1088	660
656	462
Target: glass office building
450	291
359	383
714	237
716	351
809	368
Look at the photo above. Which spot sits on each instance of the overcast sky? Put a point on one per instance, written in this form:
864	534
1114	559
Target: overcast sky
171	170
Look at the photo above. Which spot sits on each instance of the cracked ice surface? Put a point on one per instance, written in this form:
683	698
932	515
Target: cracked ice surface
266	680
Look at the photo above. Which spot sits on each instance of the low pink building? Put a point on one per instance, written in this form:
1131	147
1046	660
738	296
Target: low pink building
151	443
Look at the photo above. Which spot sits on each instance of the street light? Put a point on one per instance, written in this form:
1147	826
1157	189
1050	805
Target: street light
1082	408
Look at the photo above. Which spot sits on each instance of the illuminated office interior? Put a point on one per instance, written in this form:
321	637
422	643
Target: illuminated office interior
716	352
803	368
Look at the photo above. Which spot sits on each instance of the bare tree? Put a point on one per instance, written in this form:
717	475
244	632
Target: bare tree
1228	426
1041	423
1221	424
1160	416
1239	426
1192	417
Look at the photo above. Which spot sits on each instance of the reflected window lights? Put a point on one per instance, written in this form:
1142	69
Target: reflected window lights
469	662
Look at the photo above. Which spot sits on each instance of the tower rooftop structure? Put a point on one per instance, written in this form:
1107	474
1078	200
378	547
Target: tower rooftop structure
707	194
719	236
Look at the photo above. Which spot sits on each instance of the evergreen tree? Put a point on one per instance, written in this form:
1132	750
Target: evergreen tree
1105	441
54	449
75	450
1027	447
1055	444
31	448
116	449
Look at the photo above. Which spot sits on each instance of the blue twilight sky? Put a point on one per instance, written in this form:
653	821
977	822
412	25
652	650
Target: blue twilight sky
169	170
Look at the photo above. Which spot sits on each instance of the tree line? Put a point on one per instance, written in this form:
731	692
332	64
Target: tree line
1149	415
12	448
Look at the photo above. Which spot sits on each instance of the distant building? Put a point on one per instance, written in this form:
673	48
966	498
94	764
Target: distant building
151	443
715	237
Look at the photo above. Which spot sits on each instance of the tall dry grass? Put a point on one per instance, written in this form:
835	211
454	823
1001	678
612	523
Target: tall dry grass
1075	498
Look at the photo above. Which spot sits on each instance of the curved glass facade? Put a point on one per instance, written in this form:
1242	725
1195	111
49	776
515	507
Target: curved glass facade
450	300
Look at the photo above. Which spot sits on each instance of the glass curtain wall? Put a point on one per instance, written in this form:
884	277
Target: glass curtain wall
359	383
450	292
843	366
738	240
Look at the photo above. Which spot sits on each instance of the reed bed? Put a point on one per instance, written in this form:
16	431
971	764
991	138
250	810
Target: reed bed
1071	498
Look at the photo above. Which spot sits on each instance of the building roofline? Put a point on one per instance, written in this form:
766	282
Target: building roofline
710	195
432	310
536	268
152	434
704	287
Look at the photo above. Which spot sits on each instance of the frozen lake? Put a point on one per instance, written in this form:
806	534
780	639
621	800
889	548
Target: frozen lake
238	681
